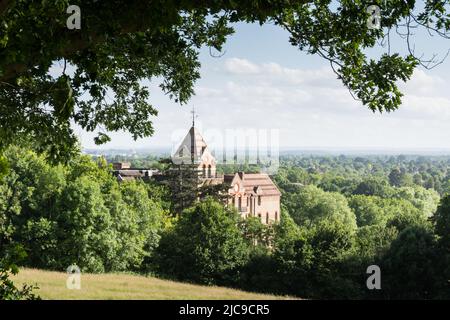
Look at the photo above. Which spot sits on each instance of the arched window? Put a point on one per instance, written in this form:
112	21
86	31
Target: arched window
276	215
259	200
239	203
204	171
209	171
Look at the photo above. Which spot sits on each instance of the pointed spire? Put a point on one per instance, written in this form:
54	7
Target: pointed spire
193	116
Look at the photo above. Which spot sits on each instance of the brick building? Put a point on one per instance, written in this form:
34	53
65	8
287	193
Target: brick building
252	194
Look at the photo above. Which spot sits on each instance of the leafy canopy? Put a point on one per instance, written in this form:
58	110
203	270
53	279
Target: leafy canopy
99	82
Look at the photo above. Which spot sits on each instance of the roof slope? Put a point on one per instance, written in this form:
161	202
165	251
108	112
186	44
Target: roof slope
254	183
192	148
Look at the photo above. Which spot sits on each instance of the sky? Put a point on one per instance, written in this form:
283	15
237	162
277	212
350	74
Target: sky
264	84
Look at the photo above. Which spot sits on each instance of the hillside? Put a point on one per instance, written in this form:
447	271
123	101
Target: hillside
52	285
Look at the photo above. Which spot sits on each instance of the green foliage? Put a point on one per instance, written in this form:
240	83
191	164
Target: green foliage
400	213
205	245
374	186
442	221
372	242
3	166
319	256
309	205
426	200
257	233
404	214
412	268
442	226
369	210
311	262
77	213
8	291
399	178
182	182
122	43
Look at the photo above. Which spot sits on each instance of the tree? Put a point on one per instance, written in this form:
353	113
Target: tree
183	184
123	42
369	210
426	200
205	245
257	233
138	221
442	220
3	166
442	226
399	178
373	241
8	291
76	213
310	205
311	262
373	186
411	267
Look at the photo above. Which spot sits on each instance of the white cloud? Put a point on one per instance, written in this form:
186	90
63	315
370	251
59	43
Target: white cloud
241	66
271	71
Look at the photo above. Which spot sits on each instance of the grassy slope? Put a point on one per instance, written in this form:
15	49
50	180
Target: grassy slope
123	286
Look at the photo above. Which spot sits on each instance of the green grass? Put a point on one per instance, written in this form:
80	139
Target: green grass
52	285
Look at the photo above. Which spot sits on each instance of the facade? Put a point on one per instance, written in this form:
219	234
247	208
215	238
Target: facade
254	195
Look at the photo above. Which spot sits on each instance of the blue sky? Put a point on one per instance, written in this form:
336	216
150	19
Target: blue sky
264	83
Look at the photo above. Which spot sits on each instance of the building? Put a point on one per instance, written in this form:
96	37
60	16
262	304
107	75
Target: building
194	150
121	165
252	194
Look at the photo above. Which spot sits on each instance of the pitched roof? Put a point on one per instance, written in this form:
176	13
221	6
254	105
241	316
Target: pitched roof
191	149
254	183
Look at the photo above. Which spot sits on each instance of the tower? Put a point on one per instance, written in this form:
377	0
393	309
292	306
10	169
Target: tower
193	150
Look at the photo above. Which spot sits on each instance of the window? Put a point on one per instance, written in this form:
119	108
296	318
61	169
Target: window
276	215
240	203
259	200
204	170
209	171
267	218
181	153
